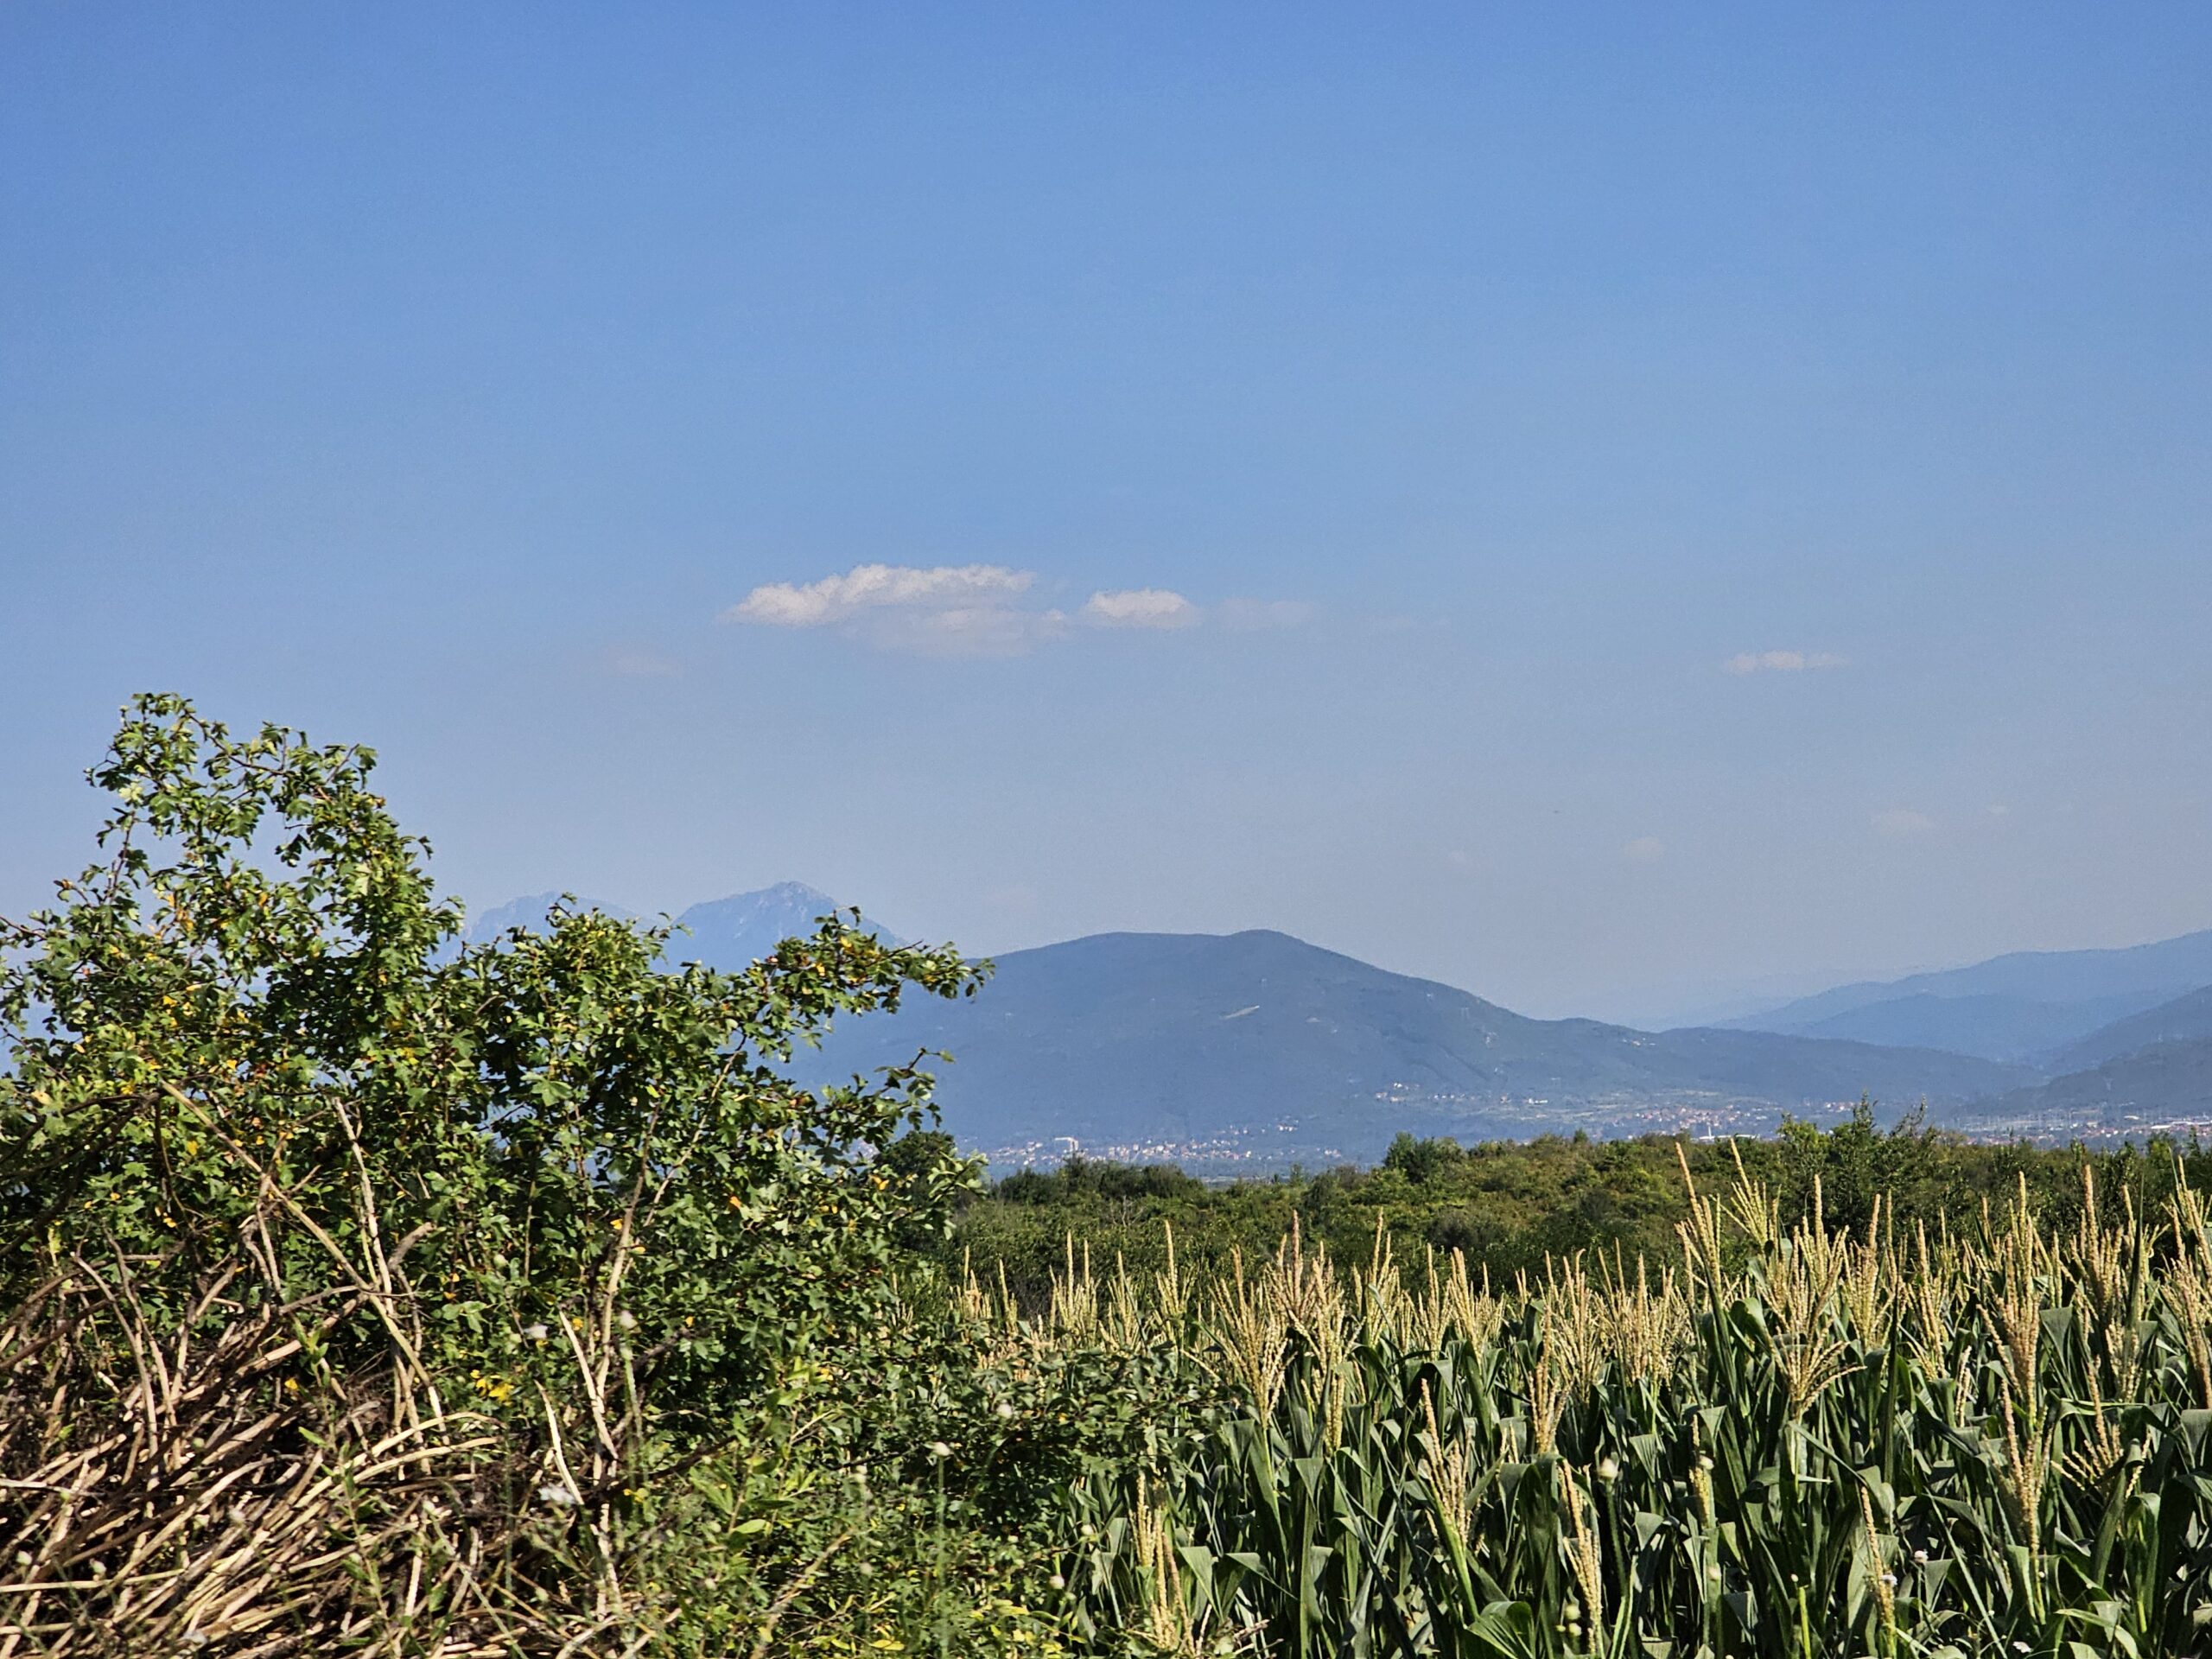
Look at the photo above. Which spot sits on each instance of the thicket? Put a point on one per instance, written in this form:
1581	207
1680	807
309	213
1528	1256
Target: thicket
361	1290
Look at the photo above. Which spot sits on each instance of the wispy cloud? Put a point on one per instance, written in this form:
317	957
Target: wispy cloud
979	609
876	586
946	610
1140	608
1902	823
1782	662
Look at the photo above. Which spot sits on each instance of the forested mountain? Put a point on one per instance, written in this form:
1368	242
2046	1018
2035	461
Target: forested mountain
2183	1020
2157	1087
1222	1050
1256	1039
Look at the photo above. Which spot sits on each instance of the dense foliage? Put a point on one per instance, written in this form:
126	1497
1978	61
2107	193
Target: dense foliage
365	1288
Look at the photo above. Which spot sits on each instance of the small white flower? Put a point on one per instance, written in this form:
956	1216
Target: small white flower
1920	1556
939	1449
1608	1470
1006	1411
627	1320
1057	1582
559	1497
534	1332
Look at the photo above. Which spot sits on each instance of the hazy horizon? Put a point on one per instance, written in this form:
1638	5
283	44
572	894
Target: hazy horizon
1612	513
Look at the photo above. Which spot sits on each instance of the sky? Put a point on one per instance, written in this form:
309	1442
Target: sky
1623	509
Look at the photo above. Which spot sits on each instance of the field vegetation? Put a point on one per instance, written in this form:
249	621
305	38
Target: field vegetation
369	1292
1511	1207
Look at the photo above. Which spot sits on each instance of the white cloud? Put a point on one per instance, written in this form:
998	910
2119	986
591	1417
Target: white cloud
964	610
1902	823
1140	608
1255	615
1644	849
875	586
973	610
1782	662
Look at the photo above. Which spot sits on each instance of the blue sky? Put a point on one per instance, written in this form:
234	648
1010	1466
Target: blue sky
1651	502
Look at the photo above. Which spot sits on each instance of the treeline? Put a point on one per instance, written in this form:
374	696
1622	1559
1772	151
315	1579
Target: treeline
1512	1206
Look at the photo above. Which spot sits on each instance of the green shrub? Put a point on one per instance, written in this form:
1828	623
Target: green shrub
366	1289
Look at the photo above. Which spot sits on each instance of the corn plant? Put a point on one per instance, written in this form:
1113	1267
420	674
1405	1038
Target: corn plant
1793	1442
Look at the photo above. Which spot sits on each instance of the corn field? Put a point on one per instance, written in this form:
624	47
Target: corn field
1986	1440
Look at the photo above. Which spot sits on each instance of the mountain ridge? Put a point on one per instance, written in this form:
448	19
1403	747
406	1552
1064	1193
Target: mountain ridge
2186	1018
2022	1005
1185	1040
1258	1046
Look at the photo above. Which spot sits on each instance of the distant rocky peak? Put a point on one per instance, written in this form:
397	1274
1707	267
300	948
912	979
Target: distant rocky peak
741	929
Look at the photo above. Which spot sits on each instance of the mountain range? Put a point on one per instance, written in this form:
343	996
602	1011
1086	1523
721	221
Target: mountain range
1257	1049
2028	1007
1226	1049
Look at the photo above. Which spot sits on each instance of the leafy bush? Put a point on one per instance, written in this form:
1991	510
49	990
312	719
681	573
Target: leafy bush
366	1289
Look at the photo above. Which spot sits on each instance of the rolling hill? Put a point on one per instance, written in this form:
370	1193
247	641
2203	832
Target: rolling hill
1256	1043
2165	1086
2184	1020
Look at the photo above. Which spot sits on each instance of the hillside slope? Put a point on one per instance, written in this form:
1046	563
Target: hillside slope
2166	1086
1180	1040
2184	1018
